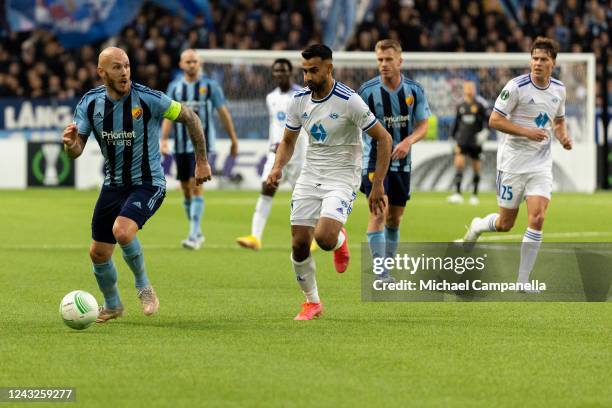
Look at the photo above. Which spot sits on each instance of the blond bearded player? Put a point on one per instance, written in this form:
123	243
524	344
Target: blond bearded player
125	118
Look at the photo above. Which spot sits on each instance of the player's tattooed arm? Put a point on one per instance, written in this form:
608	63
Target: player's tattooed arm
187	116
194	127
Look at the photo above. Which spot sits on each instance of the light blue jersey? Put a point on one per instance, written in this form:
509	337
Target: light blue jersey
203	96
127	131
399	111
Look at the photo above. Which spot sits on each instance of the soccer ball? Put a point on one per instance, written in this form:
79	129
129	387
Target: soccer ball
79	309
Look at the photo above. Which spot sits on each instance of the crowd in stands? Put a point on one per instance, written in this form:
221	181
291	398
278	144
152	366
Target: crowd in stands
477	26
34	64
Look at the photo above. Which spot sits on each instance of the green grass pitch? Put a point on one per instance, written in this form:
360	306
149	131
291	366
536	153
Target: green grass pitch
224	335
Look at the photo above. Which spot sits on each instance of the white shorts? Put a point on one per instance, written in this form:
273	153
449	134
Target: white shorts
513	188
310	202
291	171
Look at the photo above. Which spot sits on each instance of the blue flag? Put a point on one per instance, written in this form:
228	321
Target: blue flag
80	22
187	9
75	23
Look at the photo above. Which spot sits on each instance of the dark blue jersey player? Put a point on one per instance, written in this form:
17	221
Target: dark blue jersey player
204	96
124	117
401	106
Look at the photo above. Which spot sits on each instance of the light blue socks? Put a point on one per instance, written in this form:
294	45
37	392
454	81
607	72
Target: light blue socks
133	256
391	239
106	275
195	216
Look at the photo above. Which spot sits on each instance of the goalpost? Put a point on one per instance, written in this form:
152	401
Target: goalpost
245	77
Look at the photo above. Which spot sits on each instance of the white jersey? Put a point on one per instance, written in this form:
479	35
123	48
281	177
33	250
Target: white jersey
333	125
527	105
277	103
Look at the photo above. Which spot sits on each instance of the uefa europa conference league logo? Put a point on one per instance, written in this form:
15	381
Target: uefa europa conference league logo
49	165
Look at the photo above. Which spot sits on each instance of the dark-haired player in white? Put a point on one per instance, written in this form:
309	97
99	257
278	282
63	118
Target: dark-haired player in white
529	112
333	116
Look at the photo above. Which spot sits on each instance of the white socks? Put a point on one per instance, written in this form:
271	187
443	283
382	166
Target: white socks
260	216
305	274
529	252
341	239
486	224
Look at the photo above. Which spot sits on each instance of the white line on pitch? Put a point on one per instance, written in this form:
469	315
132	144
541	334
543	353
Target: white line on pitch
487	238
502	237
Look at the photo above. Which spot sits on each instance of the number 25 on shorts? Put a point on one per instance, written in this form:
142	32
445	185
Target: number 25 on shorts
506	192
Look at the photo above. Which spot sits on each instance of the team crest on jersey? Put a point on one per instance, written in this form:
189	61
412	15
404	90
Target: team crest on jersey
281	116
541	120
504	95
202	91
334	115
474	108
409	100
137	112
318	133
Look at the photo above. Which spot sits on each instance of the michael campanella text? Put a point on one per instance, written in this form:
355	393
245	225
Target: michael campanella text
443	285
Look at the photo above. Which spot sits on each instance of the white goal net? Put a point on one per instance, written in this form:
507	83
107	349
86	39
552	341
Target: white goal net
245	77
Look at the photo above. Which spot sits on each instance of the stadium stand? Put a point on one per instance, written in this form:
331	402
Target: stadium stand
34	64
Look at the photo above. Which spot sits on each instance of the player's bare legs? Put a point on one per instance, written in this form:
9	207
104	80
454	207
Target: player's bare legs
301	236
326	233
304	267
331	235
100	252
536	211
502	221
260	216
124	231
394	216
376	221
506	219
186	188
